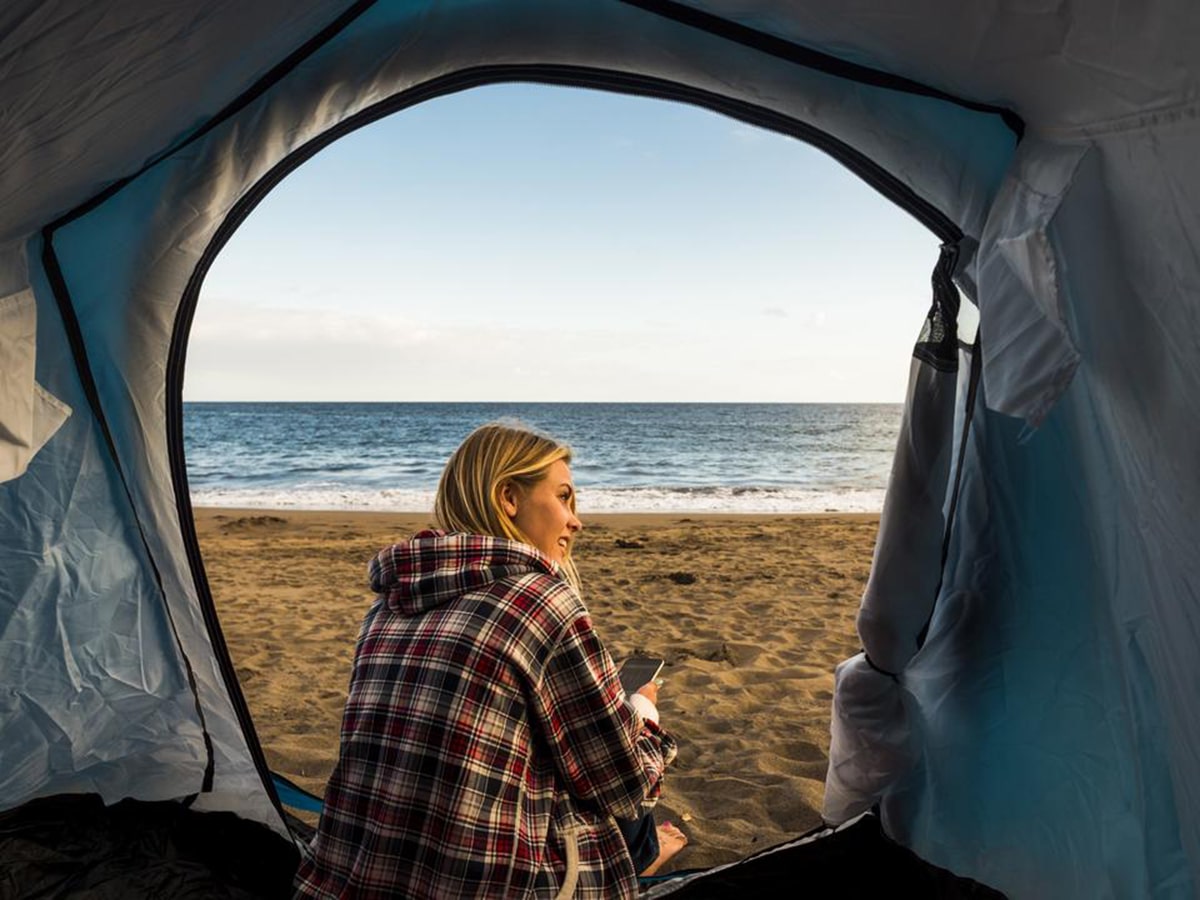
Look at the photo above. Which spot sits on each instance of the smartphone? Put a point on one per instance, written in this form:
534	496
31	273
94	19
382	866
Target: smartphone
639	670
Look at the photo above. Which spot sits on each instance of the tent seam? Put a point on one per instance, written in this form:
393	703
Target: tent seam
798	54
260	86
1141	121
66	311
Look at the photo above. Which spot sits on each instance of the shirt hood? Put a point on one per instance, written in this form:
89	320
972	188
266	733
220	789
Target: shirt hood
433	568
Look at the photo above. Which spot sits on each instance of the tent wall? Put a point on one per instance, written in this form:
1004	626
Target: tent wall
127	262
93	91
1056	693
1039	740
95	695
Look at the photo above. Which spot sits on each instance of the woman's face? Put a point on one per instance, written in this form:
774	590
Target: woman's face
543	512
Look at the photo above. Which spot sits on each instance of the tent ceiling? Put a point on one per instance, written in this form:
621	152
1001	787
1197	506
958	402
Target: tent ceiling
89	88
1058	64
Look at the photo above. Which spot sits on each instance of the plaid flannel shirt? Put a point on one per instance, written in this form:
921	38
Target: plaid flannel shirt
486	742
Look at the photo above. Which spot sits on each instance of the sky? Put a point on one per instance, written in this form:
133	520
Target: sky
536	243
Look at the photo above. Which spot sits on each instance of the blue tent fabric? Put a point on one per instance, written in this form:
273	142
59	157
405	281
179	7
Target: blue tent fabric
1044	735
293	796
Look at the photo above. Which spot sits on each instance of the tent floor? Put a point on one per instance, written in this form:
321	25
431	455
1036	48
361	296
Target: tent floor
856	860
73	846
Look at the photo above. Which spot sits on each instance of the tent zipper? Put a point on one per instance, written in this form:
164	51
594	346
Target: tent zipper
623	83
806	57
87	381
554	75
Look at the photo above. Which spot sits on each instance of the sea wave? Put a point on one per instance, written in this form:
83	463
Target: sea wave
730	499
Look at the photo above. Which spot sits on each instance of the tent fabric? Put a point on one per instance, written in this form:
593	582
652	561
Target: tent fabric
29	414
1050	739
856	859
872	741
152	235
1034	360
74	70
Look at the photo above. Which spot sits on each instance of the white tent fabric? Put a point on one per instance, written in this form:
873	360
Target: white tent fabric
1053	739
29	414
872	742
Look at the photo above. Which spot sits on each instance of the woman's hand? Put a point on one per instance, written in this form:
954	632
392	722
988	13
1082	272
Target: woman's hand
649	690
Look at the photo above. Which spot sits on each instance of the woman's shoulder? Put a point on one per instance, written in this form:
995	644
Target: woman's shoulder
545	597
539	614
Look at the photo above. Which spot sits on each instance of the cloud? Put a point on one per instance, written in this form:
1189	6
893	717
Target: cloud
277	326
259	353
747	134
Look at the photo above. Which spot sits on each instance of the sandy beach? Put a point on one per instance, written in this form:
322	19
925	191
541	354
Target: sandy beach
751	612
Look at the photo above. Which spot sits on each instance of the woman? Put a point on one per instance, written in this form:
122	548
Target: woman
486	743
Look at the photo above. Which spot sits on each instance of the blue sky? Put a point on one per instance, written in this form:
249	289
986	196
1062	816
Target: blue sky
533	243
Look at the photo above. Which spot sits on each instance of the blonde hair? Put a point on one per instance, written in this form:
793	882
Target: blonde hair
491	456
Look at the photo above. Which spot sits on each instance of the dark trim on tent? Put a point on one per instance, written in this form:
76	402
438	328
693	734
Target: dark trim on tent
83	367
968	420
187	526
174	410
634	85
715	25
813	59
937	346
857	162
856	859
860	164
571	76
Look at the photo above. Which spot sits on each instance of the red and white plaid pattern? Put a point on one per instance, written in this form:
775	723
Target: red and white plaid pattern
486	742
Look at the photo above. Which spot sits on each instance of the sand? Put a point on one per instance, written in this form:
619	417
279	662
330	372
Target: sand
751	612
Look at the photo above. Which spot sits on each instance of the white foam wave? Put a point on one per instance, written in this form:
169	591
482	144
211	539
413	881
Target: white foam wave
591	500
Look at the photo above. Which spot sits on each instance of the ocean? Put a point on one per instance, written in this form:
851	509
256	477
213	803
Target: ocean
628	457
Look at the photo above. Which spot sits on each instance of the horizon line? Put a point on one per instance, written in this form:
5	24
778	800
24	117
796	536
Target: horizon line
590	402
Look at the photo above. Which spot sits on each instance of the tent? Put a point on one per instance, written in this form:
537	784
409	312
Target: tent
1024	710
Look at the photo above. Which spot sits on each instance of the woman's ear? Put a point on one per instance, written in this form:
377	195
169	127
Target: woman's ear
510	499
